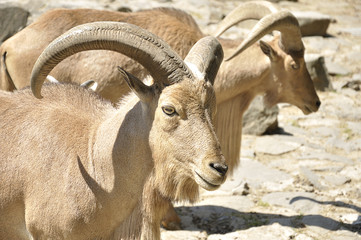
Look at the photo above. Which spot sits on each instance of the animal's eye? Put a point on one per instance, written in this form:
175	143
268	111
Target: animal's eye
169	110
295	66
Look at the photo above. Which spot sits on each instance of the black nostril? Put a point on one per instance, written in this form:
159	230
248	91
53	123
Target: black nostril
221	168
318	103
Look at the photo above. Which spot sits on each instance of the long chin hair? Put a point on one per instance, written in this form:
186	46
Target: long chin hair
187	190
176	184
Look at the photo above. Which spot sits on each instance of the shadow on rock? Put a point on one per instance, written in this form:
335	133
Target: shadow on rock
222	220
334	203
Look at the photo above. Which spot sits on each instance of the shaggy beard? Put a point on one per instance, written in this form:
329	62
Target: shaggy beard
177	185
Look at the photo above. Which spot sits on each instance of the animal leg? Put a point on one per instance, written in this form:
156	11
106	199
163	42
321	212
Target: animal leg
171	220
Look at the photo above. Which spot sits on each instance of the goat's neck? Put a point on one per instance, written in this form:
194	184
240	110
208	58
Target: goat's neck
121	137
120	159
248	72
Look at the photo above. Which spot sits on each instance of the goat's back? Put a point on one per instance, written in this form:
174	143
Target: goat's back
175	27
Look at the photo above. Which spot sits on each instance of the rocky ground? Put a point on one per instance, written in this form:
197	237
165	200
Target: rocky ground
303	181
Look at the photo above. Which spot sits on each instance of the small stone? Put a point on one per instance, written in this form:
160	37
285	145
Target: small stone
312	178
335	68
241	190
256	174
258	118
238	203
272	146
12	19
324	132
327	47
353	31
351	218
124	9
312	23
337	180
325	156
301	202
316	67
248	153
274	231
354	84
356	76
336	142
356	144
183	234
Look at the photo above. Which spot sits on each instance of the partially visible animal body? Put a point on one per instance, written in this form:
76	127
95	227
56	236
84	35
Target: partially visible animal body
99	65
275	69
268	68
74	166
44	190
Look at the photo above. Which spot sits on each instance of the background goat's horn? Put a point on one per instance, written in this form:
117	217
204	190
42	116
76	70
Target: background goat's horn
144	47
206	55
248	10
283	21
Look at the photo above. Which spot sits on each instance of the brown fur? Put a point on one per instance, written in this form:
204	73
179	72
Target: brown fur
238	81
241	79
74	167
111	87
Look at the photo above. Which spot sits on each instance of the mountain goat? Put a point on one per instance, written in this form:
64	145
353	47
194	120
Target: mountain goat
276	68
74	166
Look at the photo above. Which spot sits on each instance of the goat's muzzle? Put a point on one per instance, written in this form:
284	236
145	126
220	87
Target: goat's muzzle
211	176
220	168
310	108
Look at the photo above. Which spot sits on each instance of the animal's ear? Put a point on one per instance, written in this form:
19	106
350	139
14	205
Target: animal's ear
268	50
144	92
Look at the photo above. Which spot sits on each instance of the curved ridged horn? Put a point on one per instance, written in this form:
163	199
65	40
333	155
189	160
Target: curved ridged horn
206	56
248	10
282	21
144	47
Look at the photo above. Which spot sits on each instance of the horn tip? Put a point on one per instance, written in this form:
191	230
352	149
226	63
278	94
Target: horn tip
36	92
229	58
38	96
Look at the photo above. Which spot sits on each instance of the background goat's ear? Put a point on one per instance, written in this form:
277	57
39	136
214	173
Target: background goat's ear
268	50
143	92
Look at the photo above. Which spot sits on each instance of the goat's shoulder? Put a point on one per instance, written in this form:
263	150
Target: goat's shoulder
178	14
67	18
68	99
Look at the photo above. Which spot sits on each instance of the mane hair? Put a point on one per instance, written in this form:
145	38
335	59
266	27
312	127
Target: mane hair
228	125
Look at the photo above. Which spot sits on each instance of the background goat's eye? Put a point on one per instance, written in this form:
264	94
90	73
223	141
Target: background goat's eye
169	110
